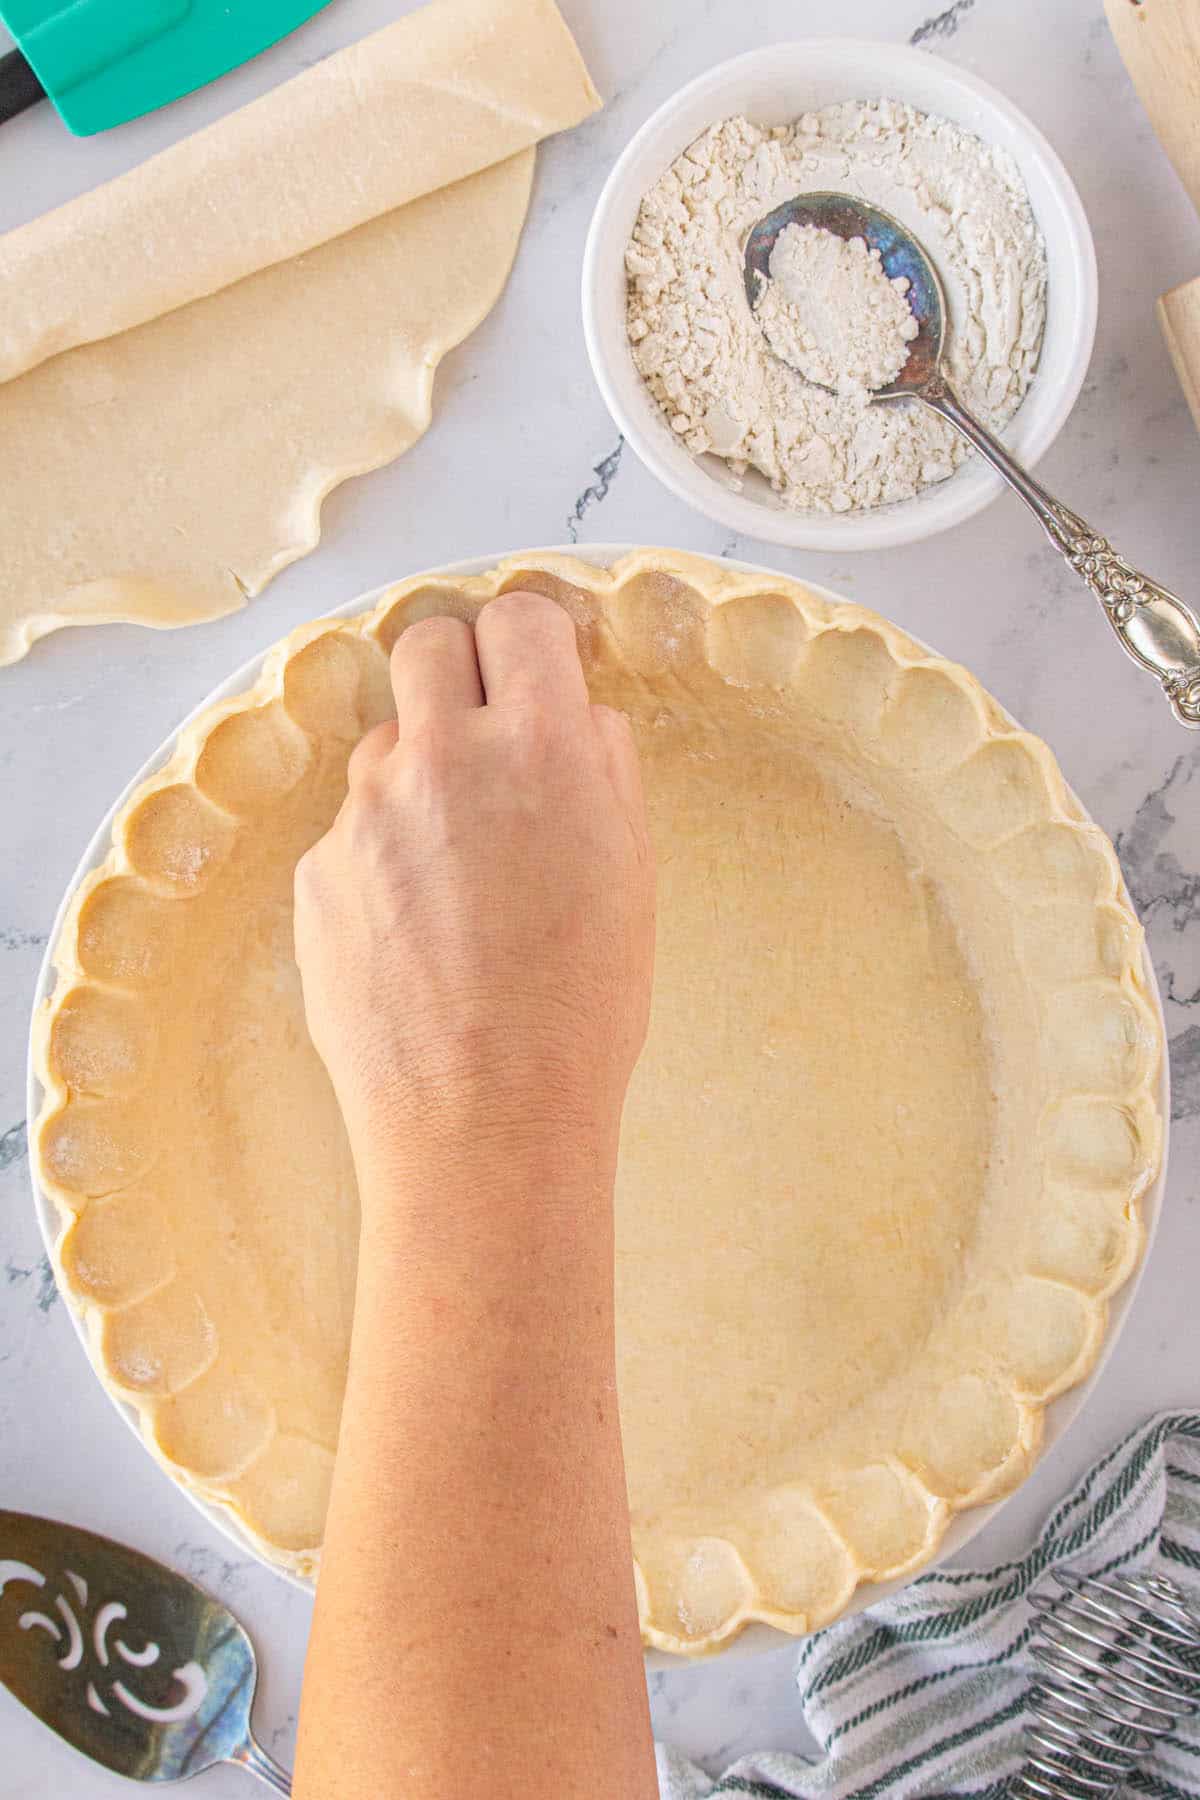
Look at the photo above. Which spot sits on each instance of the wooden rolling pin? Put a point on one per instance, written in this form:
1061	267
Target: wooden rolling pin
1159	41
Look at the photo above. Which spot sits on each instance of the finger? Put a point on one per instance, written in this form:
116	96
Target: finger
527	651
434	670
620	750
371	750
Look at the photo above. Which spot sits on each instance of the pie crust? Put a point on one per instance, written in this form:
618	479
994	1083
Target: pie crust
882	1157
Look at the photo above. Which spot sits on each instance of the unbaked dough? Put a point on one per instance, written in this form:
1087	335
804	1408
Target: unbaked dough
171	421
881	1159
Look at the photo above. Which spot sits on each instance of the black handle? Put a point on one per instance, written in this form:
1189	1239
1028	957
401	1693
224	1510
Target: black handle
19	86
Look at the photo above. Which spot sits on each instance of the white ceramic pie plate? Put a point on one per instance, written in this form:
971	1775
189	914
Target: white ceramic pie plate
964	1527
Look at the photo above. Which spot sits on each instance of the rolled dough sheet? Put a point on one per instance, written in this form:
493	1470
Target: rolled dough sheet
439	95
163	475
314	257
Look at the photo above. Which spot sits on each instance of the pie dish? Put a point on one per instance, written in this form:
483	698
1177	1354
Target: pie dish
883	1158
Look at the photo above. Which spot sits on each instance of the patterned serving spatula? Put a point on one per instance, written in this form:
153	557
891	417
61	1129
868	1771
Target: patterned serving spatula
133	1665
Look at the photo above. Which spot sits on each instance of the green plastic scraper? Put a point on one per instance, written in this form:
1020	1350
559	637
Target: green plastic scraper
105	61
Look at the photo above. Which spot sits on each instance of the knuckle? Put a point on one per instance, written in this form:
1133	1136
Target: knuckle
524	609
438	631
535	730
611	719
368	750
428	741
306	878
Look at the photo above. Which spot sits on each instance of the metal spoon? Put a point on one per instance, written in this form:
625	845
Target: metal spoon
132	1664
1152	625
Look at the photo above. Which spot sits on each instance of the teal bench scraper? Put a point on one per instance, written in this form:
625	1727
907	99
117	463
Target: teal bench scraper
104	61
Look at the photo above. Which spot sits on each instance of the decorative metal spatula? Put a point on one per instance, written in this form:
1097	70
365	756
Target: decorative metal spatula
134	1665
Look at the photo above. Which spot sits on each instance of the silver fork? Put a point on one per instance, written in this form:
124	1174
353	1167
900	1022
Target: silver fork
1120	1667
134	1665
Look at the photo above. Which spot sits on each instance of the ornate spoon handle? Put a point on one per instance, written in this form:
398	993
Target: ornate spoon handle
250	1755
1153	626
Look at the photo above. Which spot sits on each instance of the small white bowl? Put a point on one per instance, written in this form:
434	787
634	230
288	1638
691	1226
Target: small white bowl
773	86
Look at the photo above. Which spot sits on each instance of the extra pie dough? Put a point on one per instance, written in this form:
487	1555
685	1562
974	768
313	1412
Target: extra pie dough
882	1158
192	356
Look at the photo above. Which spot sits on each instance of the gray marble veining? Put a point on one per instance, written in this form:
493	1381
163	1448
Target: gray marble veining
605	472
942	25
523	452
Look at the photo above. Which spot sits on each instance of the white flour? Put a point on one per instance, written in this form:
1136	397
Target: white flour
702	351
830	311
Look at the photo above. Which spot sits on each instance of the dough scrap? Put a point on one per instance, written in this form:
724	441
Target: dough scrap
170	423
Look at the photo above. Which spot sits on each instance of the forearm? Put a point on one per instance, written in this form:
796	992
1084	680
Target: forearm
476	1579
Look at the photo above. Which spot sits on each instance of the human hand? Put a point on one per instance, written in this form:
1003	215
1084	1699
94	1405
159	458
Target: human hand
475	933
475	936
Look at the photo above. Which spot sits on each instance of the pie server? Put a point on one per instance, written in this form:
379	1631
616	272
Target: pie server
104	61
133	1665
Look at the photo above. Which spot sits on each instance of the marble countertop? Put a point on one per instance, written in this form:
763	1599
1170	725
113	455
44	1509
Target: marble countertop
522	452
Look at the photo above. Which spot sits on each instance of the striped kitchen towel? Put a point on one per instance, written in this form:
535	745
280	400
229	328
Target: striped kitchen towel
926	1694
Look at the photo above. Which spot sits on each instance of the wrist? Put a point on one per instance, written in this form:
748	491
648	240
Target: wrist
484	1170
504	1257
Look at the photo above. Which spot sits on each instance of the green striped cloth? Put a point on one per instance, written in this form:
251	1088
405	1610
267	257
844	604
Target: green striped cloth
926	1693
